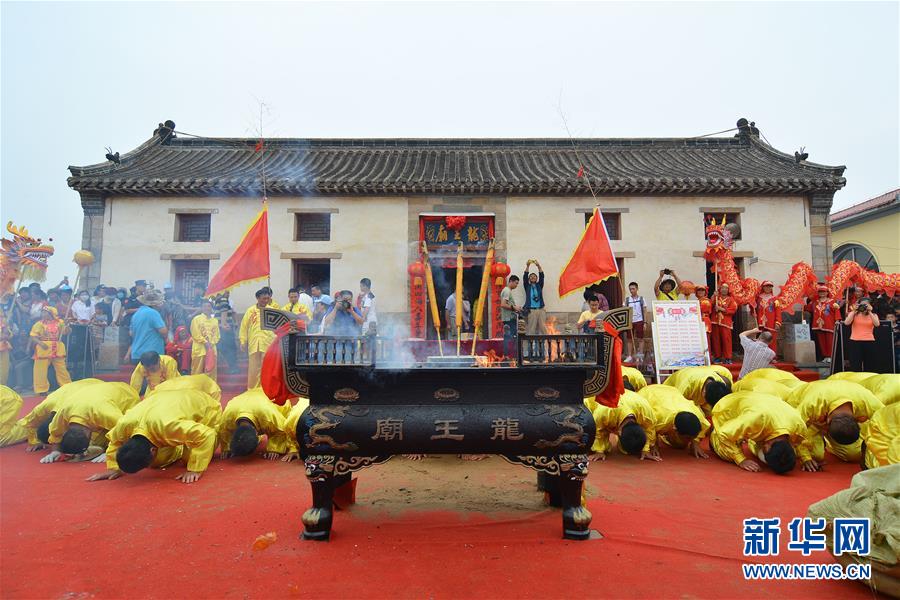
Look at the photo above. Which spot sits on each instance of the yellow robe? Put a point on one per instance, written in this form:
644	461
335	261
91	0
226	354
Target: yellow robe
882	434
816	400
182	419
291	421
690	380
201	382
763	385
634	377
10	430
255	338
784	377
98	407
667	402
39	413
854	376
168	369
55	346
885	387
204	330
297	309
609	419
266	416
756	418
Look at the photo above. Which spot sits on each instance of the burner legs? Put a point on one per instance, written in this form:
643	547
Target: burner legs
576	518
318	519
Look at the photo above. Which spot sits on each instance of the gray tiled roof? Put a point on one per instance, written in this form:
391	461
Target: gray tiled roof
169	164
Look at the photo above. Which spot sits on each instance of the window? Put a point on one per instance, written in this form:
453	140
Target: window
188	273
307	272
857	254
192	228
730	218
613	222
312	227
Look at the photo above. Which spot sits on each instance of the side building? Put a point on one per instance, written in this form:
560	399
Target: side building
174	208
869	233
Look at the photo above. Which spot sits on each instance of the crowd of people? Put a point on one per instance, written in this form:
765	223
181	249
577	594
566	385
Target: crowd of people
522	299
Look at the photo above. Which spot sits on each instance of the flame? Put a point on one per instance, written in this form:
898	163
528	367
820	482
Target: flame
490	359
552	330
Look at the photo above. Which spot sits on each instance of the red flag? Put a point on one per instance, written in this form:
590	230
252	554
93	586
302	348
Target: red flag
250	261
580	171
593	259
258	147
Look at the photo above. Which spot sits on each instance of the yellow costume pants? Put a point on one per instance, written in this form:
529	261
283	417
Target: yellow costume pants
199	362
254	368
41	365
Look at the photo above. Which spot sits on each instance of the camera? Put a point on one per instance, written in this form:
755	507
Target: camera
344	305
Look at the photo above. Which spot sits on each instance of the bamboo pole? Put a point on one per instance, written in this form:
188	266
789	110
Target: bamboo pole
432	299
482	293
459	295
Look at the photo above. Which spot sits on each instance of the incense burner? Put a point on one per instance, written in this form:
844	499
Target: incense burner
367	406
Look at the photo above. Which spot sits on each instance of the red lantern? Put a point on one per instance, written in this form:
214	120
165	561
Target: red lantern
500	271
416	270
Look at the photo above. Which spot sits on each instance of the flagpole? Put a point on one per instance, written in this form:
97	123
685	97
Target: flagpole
265	198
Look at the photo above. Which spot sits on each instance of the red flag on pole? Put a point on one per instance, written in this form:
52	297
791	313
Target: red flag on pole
580	172
593	259
250	261
259	146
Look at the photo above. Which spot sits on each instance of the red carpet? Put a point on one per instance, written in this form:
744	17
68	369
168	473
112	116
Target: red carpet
670	530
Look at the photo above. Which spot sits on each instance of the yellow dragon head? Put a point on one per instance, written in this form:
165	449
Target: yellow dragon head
22	257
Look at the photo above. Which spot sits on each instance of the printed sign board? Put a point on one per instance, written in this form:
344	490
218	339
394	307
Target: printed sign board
679	336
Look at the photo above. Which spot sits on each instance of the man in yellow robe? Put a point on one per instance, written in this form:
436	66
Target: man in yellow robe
834	409
632	422
703	386
886	387
254	339
85	418
634	377
764	386
771	373
294	305
152	370
245	418
771	429
168	426
205	335
679	422
10	430
203	383
854	376
49	349
37	422
882	436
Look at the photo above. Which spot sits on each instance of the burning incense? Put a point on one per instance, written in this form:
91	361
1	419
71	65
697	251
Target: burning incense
432	299
459	294
482	294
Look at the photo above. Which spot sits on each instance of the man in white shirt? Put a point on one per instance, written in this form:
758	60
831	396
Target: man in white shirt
450	315
757	353
305	299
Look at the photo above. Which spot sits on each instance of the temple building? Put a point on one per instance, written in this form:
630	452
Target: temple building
174	209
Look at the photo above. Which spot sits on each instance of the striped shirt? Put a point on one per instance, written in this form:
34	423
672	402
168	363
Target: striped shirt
757	355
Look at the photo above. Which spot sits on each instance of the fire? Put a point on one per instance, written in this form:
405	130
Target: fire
490	359
552	330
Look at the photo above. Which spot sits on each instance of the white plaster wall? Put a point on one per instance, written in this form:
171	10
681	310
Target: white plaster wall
370	233
661	232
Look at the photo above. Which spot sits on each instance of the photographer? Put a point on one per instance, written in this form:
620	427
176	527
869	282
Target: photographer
667	285
862	322
343	318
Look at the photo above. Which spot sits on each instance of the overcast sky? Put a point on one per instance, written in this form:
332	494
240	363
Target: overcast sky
80	76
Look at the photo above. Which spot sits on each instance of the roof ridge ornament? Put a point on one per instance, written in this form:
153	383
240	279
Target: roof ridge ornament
165	130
